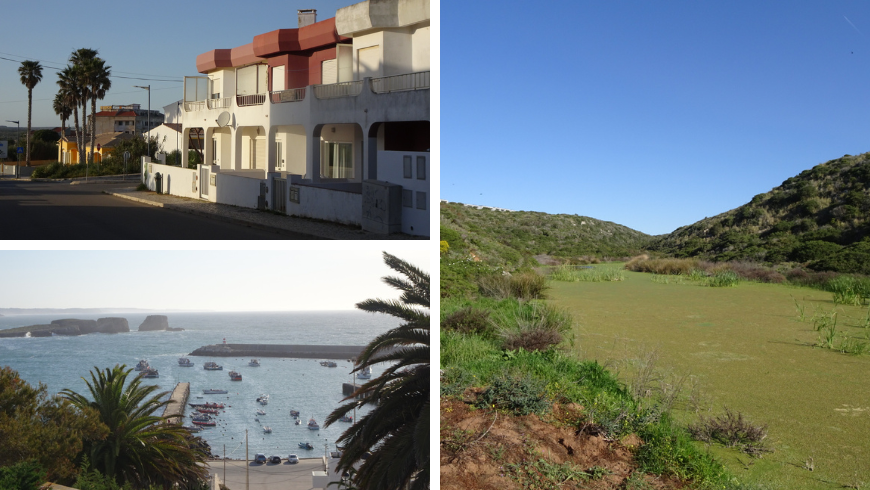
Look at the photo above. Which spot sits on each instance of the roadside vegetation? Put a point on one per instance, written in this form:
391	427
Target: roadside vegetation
113	164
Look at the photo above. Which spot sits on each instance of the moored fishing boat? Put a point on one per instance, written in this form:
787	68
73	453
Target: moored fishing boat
212	411
213	391
366	373
260	411
149	373
254	363
142	365
184	362
212	366
306	445
267	430
328	364
235	376
294	413
345	418
263	399
312	424
205	423
206	405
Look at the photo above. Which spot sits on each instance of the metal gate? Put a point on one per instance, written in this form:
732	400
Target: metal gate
279	195
203	182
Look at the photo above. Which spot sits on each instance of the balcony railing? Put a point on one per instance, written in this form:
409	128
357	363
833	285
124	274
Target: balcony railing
221	103
291	95
193	106
401	83
249	100
335	90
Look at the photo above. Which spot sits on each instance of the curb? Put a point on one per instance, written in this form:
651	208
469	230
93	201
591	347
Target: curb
206	214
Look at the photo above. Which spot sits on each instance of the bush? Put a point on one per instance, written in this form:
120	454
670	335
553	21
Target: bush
532	327
732	430
664	266
468	320
723	279
520	396
813	250
523	286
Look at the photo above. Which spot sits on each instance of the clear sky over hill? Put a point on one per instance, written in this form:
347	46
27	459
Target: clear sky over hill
227	280
650	114
147	42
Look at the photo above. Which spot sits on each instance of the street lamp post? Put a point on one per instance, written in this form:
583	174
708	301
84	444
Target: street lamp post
17	142
147	142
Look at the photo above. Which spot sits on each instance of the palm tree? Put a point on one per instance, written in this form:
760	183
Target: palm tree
81	62
31	74
69	81
63	109
141	448
98	84
389	447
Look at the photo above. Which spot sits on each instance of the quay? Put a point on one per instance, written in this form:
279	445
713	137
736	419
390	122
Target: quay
280	350
175	409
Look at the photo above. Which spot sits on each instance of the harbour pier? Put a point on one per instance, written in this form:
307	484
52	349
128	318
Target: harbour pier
178	398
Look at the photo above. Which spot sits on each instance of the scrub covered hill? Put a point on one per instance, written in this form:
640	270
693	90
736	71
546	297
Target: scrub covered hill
511	238
820	218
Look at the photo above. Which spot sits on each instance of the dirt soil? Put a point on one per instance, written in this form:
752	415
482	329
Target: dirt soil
478	445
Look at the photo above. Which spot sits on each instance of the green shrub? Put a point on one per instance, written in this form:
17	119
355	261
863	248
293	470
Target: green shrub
723	279
813	250
732	430
520	396
468	320
523	286
532	326
668	450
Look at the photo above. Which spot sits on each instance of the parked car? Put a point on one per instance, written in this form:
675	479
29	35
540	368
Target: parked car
275	459
292	459
260	458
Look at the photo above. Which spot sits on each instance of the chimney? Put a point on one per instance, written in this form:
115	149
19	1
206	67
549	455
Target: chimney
307	17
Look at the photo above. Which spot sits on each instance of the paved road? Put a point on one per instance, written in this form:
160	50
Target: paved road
284	476
60	211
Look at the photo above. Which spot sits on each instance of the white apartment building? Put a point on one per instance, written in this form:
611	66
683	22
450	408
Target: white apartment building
328	120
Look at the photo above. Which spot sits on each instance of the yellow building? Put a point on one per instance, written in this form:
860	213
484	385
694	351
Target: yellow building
105	143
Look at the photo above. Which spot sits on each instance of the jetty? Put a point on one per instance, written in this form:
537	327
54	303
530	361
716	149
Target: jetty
280	350
175	409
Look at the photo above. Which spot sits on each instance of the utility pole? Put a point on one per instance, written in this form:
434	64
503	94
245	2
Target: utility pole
148	134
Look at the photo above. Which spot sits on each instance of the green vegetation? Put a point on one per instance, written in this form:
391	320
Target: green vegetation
112	165
390	445
571	273
820	218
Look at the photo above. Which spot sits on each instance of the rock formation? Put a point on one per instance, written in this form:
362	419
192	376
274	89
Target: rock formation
154	322
70	326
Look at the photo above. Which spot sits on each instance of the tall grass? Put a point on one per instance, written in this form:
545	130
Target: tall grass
524	286
723	279
849	290
568	273
534	326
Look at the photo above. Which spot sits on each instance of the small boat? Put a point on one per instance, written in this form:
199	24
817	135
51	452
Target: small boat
143	365
149	373
202	417
206	405
212	366
328	364
191	428
184	362
366	373
298	422
235	376
254	363
345	418
214	392
294	413
206	423
263	399
260	411
312	424
306	445
212	411
267	430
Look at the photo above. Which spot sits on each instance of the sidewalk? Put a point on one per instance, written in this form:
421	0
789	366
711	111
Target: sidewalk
253	217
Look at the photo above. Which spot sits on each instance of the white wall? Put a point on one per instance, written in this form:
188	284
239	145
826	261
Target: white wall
366	41
327	204
391	169
236	190
420	49
397	52
168	138
177	181
172	112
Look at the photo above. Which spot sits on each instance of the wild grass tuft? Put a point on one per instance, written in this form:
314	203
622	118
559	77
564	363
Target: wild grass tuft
849	290
732	430
723	279
518	395
523	286
569	273
468	320
532	326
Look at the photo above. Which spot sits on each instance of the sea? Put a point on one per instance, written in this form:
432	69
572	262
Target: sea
292	384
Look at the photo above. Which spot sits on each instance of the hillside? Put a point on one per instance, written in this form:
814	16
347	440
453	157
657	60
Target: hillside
820	217
510	238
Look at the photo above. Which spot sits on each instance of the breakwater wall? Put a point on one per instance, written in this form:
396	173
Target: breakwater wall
280	350
179	398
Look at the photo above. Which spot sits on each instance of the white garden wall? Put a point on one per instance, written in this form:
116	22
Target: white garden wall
327	204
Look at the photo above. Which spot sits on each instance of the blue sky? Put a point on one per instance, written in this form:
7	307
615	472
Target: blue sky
650	114
156	40
333	278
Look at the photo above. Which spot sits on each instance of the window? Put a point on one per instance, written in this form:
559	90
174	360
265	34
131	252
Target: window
421	200
336	160
406	167
251	80
407	198
421	168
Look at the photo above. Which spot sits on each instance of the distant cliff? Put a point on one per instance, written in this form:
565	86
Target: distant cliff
70	326
157	322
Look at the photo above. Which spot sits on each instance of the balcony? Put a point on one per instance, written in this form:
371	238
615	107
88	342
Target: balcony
291	95
401	83
193	106
336	90
219	103
250	100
